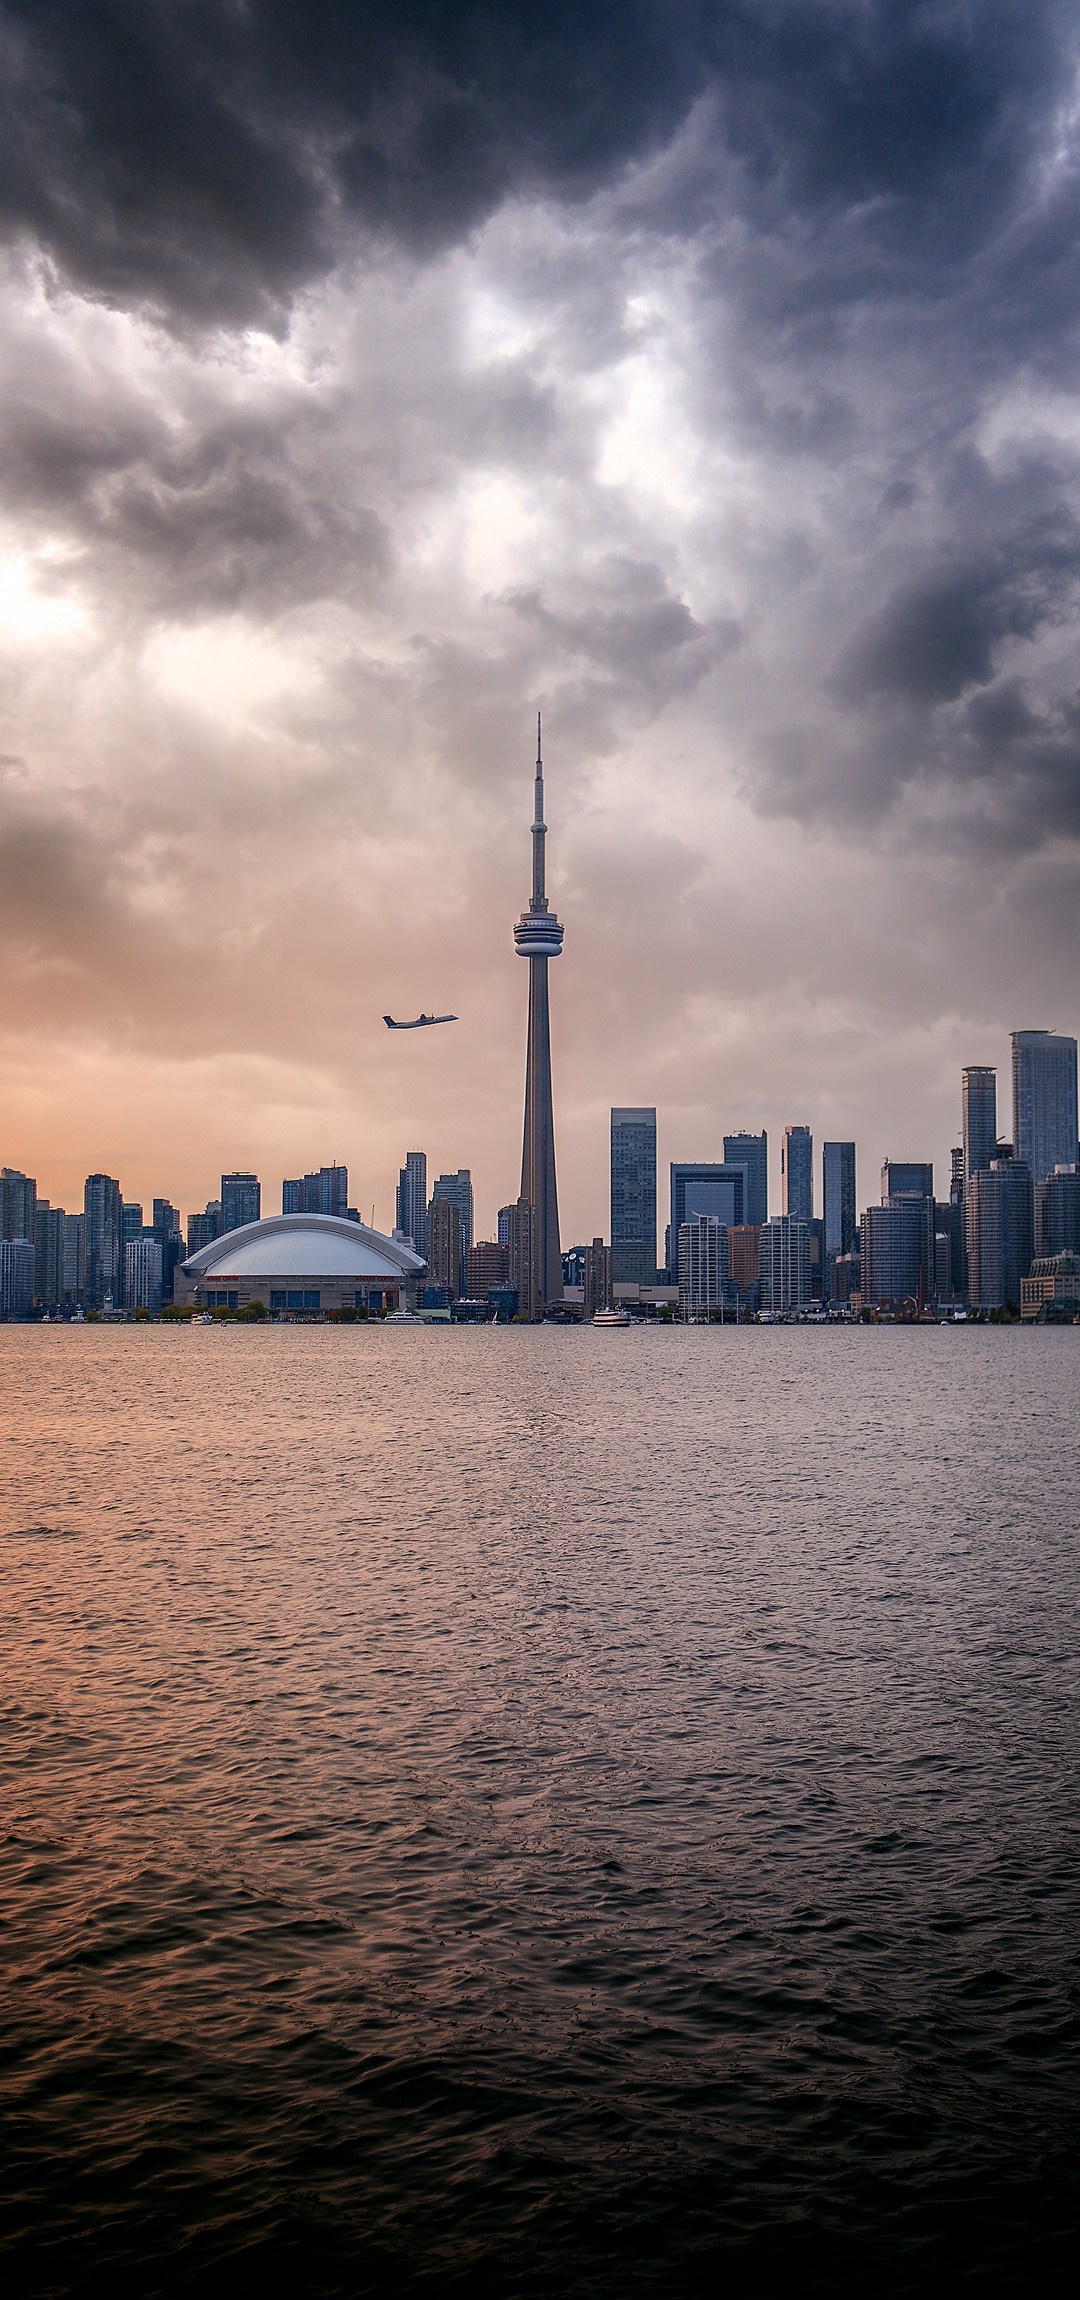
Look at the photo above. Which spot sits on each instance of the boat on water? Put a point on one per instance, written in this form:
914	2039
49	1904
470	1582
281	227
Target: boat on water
202	1318
612	1317
404	1318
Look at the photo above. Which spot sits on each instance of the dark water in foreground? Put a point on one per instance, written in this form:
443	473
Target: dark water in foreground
534	1812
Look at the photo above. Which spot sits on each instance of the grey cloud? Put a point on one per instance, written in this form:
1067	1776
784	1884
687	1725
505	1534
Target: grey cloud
940	635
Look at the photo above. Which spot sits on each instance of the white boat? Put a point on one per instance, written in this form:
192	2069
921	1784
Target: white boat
612	1317
202	1318
404	1318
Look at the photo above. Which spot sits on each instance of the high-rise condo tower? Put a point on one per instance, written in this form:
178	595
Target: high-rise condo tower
538	936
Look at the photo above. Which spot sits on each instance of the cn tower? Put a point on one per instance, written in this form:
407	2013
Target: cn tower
538	937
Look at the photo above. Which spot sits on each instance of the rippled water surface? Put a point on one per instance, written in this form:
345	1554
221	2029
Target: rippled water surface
538	1812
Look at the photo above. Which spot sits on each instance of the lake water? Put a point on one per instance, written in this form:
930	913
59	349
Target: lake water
538	1812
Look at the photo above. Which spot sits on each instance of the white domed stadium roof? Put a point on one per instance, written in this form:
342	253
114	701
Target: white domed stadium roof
303	1246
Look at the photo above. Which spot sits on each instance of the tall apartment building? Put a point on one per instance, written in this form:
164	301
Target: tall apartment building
896	1251
784	1263
633	1197
838	1199
703	1268
979	1090
324	1192
103	1241
18	1198
241	1201
16	1278
1044	1100
445	1255
751	1151
411	1207
523	1258
1000	1232
1057	1213
143	1274
744	1261
202	1229
49	1254
797	1173
459	1190
597	1277
487	1267
74	1270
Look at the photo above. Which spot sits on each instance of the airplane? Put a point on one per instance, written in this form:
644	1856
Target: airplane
422	1022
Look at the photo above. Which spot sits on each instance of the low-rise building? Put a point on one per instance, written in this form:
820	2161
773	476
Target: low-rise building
1051	1292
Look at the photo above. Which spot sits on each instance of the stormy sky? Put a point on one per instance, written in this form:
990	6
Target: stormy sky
701	373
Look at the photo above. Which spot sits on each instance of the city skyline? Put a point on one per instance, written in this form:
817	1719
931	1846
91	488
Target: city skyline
298	531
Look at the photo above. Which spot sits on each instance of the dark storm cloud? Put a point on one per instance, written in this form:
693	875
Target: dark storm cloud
943	634
204	154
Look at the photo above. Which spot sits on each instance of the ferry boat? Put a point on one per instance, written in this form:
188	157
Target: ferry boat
612	1316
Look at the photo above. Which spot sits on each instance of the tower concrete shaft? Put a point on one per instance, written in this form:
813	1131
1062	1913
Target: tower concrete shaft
538	937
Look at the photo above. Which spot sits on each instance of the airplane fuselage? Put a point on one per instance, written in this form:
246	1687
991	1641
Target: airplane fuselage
422	1022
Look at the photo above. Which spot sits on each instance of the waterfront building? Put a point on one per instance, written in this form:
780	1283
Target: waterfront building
16	1278
143	1274
979	1090
838	1200
1057	1212
165	1227
241	1201
633	1196
18	1198
1051	1290
701	1189
896	1252
458	1189
131	1226
411	1204
487	1267
523	1267
74	1270
751	1152
203	1228
784	1263
444	1254
48	1254
596	1278
797	1173
1044	1100
744	1261
703	1269
846	1275
538	936
1000	1231
300	1264
103	1240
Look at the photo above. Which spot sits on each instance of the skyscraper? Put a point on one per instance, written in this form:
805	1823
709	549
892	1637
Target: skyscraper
838	1198
980	1118
538	936
241	1201
326	1192
720	1191
203	1228
751	1151
412	1201
49	1253
633	1198
1000	1231
444	1254
523	1258
1057	1213
702	1268
1044	1100
18	1198
797	1168
458	1189
102	1240
784	1262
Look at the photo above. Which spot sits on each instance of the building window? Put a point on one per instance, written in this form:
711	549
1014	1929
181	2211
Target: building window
279	1301
217	1299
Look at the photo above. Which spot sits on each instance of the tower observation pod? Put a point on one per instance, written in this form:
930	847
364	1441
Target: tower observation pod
538	936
